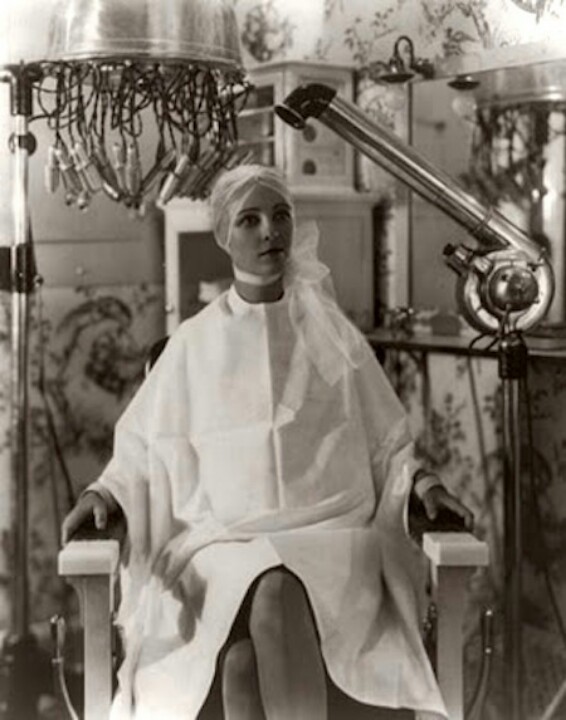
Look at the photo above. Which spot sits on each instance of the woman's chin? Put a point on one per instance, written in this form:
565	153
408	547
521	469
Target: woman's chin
272	264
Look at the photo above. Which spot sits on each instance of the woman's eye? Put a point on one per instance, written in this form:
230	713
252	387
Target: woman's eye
282	215
248	221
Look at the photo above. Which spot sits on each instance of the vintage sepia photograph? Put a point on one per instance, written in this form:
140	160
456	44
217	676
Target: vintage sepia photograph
282	360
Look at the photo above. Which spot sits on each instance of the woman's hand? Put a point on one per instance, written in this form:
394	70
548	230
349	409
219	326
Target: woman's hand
89	505
438	498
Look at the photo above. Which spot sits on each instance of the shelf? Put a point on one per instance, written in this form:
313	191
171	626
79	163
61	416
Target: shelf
252	112
539	347
258	141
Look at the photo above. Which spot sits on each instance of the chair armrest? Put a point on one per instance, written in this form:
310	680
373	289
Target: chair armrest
455	549
91	566
454	556
91	551
89	557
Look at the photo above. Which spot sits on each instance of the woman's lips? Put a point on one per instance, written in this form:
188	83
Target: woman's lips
271	251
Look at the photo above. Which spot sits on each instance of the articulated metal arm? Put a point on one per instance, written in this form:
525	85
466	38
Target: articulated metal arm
510	277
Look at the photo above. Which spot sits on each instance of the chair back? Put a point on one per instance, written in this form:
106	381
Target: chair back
154	352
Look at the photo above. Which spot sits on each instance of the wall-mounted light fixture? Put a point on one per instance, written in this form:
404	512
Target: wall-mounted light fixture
464	82
464	102
402	66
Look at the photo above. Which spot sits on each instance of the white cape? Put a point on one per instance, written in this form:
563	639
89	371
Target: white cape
235	456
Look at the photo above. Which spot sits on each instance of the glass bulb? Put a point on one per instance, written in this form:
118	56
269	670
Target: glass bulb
396	97
464	106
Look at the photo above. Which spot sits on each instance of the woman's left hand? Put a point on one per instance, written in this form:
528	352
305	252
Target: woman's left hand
438	498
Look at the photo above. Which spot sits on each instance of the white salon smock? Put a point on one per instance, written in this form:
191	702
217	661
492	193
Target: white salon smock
235	456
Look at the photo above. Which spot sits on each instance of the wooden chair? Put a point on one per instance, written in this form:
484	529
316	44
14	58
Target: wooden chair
91	565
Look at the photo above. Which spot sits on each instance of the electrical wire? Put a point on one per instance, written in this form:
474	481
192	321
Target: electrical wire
538	518
488	485
62	682
51	423
475	340
555	703
193	106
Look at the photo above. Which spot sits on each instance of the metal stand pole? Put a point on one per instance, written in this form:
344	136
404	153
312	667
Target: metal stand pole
509	275
21	654
513	357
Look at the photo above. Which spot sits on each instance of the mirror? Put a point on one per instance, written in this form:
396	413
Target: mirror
504	141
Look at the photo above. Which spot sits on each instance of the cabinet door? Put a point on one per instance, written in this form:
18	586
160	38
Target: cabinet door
192	258
346	246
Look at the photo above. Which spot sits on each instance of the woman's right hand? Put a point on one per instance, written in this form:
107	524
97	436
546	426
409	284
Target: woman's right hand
89	505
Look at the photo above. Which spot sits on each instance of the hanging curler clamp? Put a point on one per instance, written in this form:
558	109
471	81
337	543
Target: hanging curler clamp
52	175
69	173
133	171
119	165
155	173
87	171
174	179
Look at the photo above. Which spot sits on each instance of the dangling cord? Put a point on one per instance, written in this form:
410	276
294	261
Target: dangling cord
105	104
58	633
164	114
70	107
51	423
192	113
94	100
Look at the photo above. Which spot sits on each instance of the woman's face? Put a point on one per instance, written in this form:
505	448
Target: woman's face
262	232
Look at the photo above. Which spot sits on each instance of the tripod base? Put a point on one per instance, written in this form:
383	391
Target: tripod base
25	675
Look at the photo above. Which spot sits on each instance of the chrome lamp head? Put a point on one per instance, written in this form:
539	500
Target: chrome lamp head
193	31
115	67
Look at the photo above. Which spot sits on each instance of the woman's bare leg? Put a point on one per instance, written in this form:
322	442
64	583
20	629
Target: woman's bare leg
290	667
240	690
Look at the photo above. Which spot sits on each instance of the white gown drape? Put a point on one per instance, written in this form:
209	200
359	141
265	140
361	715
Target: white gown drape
236	456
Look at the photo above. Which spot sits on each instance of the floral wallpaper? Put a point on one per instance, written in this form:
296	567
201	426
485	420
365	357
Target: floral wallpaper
455	407
359	32
89	346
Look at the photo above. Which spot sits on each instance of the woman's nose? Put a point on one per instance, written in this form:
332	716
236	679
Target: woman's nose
267	229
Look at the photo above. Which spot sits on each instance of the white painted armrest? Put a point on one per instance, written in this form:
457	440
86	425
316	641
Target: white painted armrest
89	557
451	549
91	566
454	556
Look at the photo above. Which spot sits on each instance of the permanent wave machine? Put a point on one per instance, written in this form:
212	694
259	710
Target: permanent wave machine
504	286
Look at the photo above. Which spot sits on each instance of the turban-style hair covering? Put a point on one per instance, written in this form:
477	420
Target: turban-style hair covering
231	191
333	342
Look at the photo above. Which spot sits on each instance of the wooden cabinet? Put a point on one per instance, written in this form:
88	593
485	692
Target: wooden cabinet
319	166
314	159
193	259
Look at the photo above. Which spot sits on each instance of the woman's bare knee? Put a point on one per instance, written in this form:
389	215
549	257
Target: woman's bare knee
239	659
289	661
276	592
240	689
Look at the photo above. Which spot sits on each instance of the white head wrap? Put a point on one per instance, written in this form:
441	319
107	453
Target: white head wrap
232	189
333	342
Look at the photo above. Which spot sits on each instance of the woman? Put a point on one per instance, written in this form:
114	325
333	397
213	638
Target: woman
264	470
